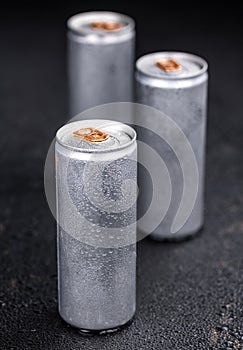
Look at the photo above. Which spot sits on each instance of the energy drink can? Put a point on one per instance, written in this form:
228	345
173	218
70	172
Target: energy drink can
96	180
176	84
100	59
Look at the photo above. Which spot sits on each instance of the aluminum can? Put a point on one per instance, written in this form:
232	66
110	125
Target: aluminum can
100	59
96	181
176	84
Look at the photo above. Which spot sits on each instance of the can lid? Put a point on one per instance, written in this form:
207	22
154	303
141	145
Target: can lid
171	65
101	24
95	135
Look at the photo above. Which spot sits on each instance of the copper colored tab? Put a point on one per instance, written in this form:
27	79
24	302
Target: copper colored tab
91	135
98	25
106	25
112	26
82	132
168	65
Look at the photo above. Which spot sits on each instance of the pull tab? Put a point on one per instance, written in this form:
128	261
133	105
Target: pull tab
168	65
91	135
106	25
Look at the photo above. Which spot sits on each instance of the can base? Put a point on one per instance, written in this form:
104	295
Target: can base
181	238
91	332
88	332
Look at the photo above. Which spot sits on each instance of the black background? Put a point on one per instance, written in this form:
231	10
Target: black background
189	293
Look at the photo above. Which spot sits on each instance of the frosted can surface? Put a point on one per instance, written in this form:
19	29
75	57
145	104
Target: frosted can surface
176	84
100	59
96	178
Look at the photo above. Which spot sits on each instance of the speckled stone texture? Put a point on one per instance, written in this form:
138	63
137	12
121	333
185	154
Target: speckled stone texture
190	293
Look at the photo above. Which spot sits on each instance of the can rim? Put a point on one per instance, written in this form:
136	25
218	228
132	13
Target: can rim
104	122
75	21
174	55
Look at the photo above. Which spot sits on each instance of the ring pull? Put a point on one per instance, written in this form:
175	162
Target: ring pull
91	135
168	65
106	25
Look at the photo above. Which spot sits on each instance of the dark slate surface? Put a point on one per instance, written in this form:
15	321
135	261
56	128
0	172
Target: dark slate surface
189	294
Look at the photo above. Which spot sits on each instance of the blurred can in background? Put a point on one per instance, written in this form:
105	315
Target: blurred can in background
96	181
100	59
176	84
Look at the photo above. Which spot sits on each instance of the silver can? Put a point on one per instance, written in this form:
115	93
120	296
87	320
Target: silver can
176	84
96	180
100	59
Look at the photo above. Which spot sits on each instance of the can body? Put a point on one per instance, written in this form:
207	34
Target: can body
96	231
183	97
100	62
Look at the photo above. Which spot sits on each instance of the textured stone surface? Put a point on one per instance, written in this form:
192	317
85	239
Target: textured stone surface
190	293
